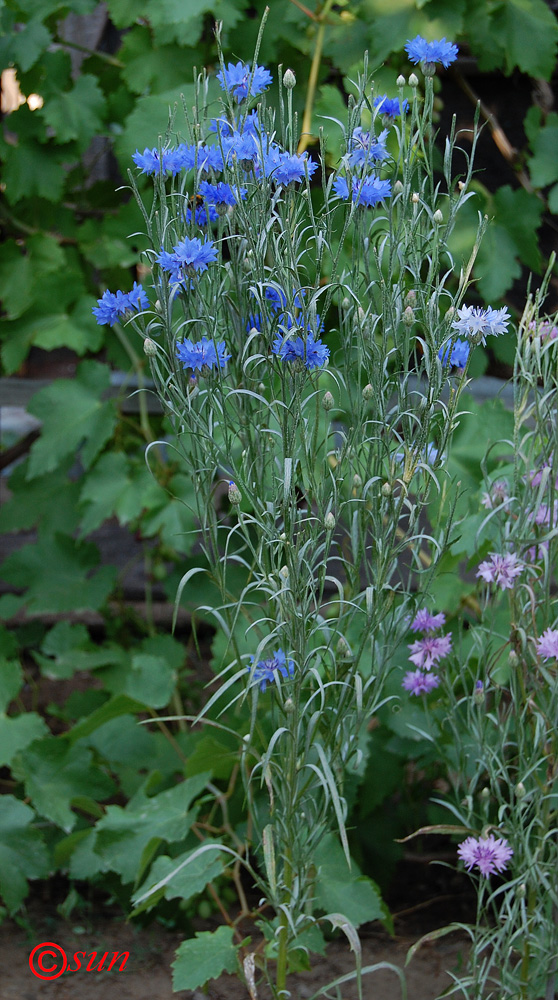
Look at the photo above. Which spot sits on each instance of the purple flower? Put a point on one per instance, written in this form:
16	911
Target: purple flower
535	476
286	169
419	50
189	258
457	355
266	671
419	682
425	622
365	190
364	146
391	107
545	330
425	653
114	305
204	353
498	495
478	324
309	353
489	854
242	82
547	646
500	569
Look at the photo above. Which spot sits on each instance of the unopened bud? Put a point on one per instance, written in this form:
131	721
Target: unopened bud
400	82
397	187
346	303
289	706
283	536
461	185
367	392
413	80
329	521
478	694
361	314
289	79
386	489
284	572
411	297
149	347
357	481
415	197
521	891
513	658
438	217
235	496
520	791
485	793
327	401
408	316
342	650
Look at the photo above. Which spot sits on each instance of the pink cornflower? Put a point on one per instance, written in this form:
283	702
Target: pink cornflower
500	569
419	682
547	646
497	495
426	652
535	475
489	854
425	622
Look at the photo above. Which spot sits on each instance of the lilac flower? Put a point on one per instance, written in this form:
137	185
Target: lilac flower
425	622
546	514
221	194
545	330
425	653
286	169
114	305
364	146
477	323
266	671
391	107
310	353
457	355
535	476
419	50
489	854
365	190
419	682
498	495
204	353
500	569
547	646
189	258
243	82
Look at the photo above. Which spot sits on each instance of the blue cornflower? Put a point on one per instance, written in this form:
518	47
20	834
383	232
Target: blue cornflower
365	190
221	194
151	161
364	146
203	215
477	323
278	299
265	671
238	78
310	352
391	107
189	258
204	353
419	50
286	169
113	305
459	354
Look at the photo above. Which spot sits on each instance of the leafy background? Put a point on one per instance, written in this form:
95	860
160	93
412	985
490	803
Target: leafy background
106	76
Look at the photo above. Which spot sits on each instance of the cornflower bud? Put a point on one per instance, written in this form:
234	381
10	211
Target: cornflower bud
415	197
235	496
408	316
413	80
521	891
397	187
400	82
520	791
149	347
485	793
438	217
411	297
289	706
478	694
357	481
329	521
346	303
284	572
513	658
367	392
289	79
386	489
342	650
327	401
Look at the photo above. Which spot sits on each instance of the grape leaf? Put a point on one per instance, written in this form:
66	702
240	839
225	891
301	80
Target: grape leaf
23	854
204	957
77	113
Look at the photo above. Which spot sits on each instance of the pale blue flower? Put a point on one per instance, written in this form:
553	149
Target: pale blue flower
419	50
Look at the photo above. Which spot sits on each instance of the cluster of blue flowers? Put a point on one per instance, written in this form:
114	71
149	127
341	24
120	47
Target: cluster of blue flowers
429	53
204	354
113	306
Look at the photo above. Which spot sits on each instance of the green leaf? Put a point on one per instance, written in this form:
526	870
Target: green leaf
18	733
29	42
528	33
188	882
23	854
124	834
22	271
217	755
32	170
496	267
67	649
203	958
55	773
343	890
543	164
519	213
115	486
153	68
56	573
146	678
112	709
11	680
124	13
150	118
50	501
73	414
77	113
